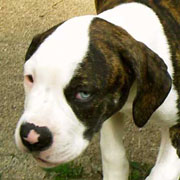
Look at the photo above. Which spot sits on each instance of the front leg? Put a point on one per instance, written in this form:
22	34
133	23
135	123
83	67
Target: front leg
167	166
115	163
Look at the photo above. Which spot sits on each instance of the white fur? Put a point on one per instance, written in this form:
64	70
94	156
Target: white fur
115	163
52	68
168	164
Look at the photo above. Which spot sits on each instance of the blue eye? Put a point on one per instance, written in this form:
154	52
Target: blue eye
83	96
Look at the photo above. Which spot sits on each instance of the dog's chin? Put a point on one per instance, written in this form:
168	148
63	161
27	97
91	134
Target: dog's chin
47	164
50	163
49	159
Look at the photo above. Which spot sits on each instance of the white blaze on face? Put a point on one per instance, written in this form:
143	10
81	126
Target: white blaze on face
66	47
52	67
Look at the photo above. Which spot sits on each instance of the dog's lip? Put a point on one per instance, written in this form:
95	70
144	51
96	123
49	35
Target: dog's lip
45	163
41	160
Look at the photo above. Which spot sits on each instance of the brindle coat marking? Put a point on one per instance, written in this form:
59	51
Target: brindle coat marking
113	61
168	12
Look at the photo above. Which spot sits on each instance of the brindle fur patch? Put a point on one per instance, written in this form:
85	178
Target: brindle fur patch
175	137
112	62
142	61
168	12
101	74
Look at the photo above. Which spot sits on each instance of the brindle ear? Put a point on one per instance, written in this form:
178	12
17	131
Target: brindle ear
153	80
98	4
152	77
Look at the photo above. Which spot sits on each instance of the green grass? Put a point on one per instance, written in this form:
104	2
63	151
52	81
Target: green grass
139	171
65	172
70	171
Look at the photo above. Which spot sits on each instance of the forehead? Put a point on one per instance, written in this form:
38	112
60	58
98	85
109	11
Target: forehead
64	49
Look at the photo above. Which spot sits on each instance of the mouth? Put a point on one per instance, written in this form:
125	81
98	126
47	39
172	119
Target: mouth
46	164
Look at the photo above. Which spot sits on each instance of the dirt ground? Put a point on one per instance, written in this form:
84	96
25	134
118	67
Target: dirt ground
20	20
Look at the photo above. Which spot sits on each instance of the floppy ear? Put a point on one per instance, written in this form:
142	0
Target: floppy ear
153	80
152	77
99	4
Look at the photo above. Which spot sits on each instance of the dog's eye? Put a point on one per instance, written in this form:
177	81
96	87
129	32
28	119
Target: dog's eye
83	96
29	78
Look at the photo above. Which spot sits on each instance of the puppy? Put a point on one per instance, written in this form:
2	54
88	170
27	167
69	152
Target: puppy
89	73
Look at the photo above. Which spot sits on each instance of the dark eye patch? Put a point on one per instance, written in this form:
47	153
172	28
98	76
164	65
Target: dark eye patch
83	96
80	94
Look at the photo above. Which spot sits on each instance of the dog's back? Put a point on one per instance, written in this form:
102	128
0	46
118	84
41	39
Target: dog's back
172	6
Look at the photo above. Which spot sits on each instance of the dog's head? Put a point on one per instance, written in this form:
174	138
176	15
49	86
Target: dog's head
76	76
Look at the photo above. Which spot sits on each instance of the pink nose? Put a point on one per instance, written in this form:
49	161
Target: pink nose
32	137
35	138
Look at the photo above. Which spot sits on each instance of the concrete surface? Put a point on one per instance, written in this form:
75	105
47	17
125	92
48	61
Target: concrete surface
20	20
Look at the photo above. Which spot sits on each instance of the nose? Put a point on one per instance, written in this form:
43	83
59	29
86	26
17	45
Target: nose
35	138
